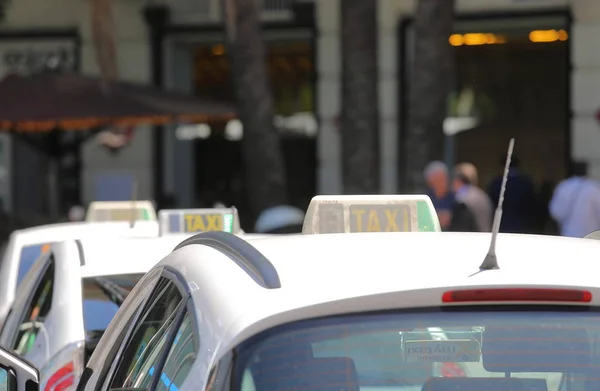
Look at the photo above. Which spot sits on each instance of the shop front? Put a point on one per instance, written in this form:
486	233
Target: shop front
23	174
513	73
203	164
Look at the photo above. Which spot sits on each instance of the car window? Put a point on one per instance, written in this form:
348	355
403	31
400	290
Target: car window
29	254
528	349
36	312
102	297
150	334
181	356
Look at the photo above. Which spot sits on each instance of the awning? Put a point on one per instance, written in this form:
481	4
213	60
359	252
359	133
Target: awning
46	102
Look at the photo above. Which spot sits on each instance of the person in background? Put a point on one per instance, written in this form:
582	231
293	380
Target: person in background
476	200
519	208
436	177
282	219
575	204
76	213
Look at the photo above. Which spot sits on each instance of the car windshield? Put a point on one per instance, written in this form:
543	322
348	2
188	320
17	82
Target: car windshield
29	254
102	297
532	350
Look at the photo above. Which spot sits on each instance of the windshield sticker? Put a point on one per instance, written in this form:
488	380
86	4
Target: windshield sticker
442	351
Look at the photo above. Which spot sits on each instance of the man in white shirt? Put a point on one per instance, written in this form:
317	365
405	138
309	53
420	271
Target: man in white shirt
575	204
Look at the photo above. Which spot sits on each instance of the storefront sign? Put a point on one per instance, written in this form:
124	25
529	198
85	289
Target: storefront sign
26	57
29	60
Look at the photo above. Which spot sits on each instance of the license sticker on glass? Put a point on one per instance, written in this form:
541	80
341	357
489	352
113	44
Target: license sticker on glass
442	351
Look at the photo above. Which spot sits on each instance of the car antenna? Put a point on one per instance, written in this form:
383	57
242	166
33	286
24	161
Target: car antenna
491	261
133	199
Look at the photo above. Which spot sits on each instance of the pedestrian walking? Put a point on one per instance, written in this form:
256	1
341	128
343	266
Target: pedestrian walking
436	177
519	206
575	204
475	199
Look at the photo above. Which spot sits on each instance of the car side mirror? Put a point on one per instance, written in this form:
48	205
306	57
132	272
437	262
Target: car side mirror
16	374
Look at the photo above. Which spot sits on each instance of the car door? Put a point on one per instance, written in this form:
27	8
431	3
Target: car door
28	312
16	374
163	336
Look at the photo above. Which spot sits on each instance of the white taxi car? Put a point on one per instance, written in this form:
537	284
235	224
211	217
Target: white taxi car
334	312
356	311
26	245
69	297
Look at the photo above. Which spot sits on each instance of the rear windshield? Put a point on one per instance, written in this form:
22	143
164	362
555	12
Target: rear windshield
532	350
102	297
29	254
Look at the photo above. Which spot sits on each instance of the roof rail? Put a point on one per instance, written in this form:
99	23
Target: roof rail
242	253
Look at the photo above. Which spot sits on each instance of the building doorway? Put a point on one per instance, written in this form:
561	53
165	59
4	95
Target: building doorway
518	72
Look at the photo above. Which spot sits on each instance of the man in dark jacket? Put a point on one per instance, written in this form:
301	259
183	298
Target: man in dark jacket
463	219
519	207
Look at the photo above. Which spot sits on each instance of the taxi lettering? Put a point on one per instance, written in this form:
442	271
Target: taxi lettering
121	214
203	223
379	218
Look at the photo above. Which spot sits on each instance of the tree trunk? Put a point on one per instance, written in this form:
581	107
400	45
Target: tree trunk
360	99
261	145
431	80
4	5
103	37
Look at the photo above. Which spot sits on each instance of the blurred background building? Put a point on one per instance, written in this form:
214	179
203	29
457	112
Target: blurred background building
531	65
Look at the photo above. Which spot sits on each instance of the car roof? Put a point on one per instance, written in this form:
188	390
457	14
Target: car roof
110	256
318	272
62	231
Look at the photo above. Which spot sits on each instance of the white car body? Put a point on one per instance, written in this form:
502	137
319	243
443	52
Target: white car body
51	233
231	291
62	331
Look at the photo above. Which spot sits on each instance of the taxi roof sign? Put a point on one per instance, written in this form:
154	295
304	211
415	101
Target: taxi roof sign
172	221
100	211
370	213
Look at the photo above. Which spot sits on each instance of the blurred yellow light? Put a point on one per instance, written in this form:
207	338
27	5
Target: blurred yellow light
456	40
218	50
475	39
563	35
548	36
45	248
490	38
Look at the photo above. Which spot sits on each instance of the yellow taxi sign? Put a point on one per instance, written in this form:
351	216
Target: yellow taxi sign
173	221
372	213
100	211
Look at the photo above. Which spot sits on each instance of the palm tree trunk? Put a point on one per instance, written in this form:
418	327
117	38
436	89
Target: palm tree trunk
360	114
103	38
261	145
431	81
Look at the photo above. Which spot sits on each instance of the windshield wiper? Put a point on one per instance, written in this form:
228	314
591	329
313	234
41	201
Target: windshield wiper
116	294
